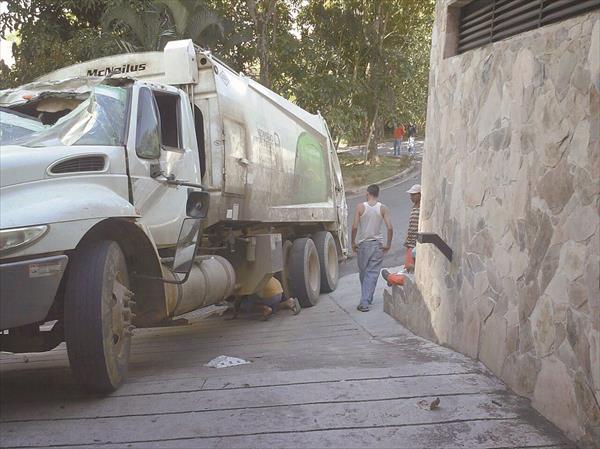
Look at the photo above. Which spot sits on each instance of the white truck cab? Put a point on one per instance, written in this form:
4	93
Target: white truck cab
137	188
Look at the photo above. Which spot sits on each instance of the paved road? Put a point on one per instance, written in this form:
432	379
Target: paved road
395	197
329	377
385	148
398	201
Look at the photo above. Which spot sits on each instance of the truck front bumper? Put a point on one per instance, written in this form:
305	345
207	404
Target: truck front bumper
28	288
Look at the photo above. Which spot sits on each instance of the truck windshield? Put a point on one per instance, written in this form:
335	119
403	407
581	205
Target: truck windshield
14	126
98	120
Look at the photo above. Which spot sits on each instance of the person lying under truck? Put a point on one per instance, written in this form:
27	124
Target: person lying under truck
267	301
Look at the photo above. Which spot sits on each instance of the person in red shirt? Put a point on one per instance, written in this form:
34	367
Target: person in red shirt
398	136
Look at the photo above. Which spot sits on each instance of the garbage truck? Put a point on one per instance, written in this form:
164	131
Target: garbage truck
138	188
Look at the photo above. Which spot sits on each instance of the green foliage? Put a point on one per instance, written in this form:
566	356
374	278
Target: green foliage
356	173
366	62
57	33
137	27
51	34
363	64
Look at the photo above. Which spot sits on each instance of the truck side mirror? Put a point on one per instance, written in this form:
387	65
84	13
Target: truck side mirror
186	245
196	209
197	204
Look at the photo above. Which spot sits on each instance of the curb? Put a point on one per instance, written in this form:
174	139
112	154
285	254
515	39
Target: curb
398	178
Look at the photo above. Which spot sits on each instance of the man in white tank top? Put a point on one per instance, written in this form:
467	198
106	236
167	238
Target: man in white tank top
367	243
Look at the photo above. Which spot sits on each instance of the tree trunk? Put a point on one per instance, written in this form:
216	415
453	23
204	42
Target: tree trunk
371	144
375	82
261	19
336	145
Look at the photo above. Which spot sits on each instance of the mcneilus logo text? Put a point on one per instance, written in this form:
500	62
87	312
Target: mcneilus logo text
126	68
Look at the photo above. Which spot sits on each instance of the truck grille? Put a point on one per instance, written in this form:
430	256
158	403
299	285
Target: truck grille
79	164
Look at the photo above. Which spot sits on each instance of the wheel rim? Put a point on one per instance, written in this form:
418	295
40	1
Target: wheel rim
313	271
121	316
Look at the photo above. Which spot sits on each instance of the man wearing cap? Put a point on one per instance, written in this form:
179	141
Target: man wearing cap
411	240
367	242
413	222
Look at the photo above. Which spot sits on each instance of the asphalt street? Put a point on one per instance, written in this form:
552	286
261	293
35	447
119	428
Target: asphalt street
394	196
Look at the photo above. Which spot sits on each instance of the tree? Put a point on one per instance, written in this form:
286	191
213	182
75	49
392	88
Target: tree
137	27
263	13
150	25
52	34
362	63
56	33
373	49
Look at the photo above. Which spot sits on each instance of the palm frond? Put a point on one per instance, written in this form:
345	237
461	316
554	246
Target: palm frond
202	22
179	13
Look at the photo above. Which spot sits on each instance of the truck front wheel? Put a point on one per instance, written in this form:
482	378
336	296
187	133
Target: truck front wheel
98	316
305	272
328	257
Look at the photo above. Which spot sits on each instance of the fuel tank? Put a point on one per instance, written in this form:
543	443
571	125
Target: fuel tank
211	280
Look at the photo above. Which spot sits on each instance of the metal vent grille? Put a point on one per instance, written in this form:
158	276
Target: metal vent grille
79	164
486	21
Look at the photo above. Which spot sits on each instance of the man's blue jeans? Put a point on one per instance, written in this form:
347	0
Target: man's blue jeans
397	146
370	258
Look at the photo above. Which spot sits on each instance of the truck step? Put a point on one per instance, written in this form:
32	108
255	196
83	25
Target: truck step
204	312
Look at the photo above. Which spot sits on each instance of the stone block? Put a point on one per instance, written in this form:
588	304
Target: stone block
469	343
556	187
589	410
406	305
578	329
520	371
586	188
542	326
549	266
492	349
594	340
572	260
578	294
579	144
554	396
594	54
528	296
582	223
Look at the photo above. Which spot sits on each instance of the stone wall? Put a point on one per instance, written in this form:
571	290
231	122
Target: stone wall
511	181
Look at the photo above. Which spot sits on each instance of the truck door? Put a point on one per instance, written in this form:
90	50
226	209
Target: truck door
236	159
161	143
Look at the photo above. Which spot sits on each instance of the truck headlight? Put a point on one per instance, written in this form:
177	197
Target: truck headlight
11	239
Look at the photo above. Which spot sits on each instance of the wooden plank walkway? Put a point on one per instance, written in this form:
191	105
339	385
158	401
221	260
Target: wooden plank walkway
329	377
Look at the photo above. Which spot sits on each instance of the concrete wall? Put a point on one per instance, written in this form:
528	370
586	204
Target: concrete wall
511	180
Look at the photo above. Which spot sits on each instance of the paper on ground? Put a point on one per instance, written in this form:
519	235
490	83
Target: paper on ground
223	361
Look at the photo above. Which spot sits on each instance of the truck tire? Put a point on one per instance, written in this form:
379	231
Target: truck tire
97	316
328	258
305	272
284	275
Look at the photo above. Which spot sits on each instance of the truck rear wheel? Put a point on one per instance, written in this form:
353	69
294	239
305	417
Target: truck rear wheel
284	275
98	316
328	258
305	272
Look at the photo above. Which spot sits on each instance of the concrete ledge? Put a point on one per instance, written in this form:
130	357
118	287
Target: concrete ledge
406	305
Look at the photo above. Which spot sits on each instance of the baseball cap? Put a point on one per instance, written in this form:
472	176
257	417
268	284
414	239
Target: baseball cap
415	189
